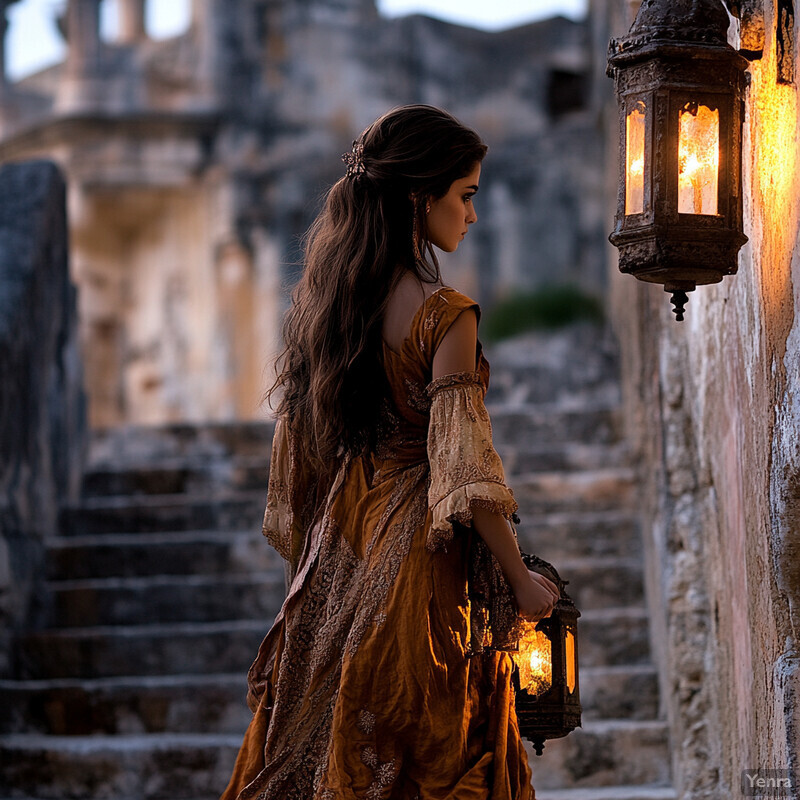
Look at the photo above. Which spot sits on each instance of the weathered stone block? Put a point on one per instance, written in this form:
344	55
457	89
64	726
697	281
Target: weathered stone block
42	407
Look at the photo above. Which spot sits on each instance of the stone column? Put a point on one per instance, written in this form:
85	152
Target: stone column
4	4
215	37
79	88
131	21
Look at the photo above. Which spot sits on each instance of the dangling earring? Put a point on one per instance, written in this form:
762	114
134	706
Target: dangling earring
415	240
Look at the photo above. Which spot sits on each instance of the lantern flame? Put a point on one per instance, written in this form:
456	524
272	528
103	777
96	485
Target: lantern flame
698	160
534	662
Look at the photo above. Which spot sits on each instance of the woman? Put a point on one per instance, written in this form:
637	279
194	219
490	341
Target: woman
385	673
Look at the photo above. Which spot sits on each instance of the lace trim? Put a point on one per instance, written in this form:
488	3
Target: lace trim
457	508
453	379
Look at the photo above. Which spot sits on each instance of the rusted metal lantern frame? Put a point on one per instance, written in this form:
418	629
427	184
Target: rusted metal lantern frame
555	712
675	62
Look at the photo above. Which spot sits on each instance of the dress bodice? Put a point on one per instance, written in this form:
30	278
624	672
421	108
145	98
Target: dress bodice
403	432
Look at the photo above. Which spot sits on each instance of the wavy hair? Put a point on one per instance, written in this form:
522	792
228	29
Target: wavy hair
356	251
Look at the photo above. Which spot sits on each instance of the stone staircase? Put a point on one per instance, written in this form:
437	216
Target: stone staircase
556	417
160	589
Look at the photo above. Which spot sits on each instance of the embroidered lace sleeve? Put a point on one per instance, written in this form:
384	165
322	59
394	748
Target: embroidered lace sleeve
282	525
466	470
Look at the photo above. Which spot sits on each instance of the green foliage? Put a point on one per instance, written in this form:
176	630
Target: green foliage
549	306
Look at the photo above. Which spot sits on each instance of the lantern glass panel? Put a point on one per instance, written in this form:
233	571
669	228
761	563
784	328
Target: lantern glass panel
698	159
634	159
571	662
534	662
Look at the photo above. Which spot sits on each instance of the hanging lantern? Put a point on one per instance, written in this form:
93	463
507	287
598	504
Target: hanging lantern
545	674
679	85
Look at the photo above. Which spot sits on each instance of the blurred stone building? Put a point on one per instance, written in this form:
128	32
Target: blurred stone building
195	164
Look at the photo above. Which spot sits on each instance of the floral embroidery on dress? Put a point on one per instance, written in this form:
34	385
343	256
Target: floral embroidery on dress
384	772
396	546
366	721
416	398
430	323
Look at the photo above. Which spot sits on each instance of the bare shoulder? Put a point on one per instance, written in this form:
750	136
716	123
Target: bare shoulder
404	302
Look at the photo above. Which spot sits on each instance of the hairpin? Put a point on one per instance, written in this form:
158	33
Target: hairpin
355	160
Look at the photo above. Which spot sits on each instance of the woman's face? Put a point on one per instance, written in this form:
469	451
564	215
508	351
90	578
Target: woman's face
452	214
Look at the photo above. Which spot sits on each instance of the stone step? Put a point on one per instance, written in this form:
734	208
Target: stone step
588	490
161	766
603	581
138	767
190	648
619	692
552	424
190	703
642	792
562	361
137	444
175	476
156	704
588	422
172	512
166	598
606	637
519	458
157	767
556	536
613	637
604	753
530	387
176	553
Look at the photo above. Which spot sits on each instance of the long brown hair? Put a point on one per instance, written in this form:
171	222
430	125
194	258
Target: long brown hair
355	253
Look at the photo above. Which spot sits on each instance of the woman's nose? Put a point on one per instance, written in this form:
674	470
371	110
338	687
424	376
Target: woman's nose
472	216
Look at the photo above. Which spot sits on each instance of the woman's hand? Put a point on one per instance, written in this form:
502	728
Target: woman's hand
536	597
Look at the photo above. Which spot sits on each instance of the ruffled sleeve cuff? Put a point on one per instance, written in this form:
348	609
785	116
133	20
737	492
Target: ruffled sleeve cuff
466	471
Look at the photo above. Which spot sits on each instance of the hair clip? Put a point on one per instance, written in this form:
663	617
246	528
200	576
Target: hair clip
355	160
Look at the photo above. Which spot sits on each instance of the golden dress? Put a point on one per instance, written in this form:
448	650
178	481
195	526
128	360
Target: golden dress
384	674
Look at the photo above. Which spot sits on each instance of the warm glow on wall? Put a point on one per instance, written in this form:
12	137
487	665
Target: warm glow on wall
634	160
698	159
775	167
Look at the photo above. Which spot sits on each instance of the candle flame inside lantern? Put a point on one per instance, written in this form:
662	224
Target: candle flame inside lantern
698	159
634	159
534	662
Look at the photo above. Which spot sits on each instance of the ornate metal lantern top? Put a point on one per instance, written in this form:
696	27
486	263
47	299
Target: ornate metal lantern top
689	21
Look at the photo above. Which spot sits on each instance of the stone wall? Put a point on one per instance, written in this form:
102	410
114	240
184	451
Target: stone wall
42	408
713	408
